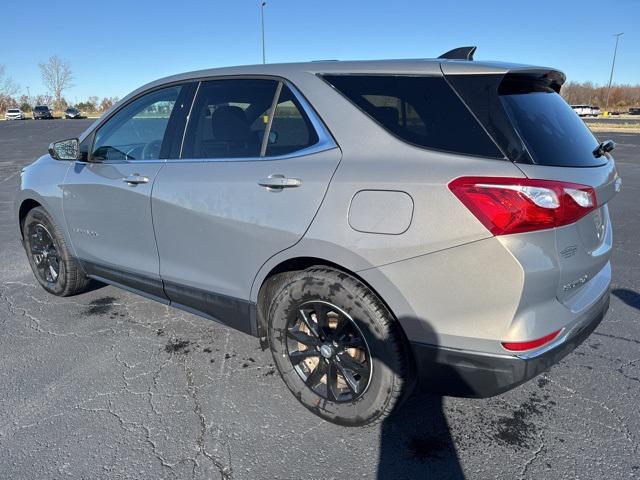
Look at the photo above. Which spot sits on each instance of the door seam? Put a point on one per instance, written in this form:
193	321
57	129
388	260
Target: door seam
153	227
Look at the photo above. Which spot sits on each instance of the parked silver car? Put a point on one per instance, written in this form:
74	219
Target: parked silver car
372	223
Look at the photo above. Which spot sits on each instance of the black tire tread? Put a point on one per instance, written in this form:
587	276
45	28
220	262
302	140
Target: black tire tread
403	378
75	280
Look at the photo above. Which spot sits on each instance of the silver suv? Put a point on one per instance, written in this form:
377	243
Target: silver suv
374	224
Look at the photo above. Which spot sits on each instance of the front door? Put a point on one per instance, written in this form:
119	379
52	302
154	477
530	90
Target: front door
247	186
107	199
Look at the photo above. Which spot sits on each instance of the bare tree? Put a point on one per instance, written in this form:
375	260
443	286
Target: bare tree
7	90
106	104
94	101
7	87
57	77
586	93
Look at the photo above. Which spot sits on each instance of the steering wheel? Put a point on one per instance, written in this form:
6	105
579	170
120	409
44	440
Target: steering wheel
151	150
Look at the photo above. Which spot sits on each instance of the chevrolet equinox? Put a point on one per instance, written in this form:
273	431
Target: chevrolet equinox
376	224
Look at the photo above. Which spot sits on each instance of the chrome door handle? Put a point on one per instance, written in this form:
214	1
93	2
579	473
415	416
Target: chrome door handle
135	179
278	182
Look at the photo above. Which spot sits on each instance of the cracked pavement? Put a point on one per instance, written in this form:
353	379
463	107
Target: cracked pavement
111	385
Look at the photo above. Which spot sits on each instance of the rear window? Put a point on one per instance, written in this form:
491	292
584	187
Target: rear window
551	131
423	111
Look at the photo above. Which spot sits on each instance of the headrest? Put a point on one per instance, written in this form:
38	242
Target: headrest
230	124
388	116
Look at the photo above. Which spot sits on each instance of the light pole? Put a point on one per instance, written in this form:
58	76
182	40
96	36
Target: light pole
262	4
613	64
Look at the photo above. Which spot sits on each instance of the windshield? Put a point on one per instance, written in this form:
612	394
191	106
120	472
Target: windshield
13	110
552	132
41	108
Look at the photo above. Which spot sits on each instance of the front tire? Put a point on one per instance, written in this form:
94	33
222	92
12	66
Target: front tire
54	267
338	348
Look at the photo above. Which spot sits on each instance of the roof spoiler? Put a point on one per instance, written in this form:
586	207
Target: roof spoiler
460	53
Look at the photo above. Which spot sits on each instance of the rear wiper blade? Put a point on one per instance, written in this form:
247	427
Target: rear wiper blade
604	147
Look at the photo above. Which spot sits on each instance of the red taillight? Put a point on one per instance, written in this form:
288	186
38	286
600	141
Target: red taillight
514	205
530	344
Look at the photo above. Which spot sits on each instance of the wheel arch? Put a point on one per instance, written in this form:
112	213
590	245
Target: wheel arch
278	273
26	206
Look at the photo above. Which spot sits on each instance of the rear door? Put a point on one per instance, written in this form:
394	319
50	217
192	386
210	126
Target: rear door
255	166
107	199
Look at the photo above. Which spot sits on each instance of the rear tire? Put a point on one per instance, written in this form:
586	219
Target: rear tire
53	265
338	348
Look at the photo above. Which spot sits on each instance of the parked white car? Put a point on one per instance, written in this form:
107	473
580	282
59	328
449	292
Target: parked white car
586	110
14	114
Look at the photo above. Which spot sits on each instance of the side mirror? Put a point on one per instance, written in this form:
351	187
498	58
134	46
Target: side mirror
65	149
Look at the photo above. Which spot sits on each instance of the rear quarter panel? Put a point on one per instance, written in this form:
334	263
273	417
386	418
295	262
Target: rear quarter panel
373	159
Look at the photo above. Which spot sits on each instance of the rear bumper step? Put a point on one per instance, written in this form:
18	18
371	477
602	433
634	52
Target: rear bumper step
472	374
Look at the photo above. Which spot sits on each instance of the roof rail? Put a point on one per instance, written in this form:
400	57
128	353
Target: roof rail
460	53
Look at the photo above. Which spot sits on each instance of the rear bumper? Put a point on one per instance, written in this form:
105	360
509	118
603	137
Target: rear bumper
472	374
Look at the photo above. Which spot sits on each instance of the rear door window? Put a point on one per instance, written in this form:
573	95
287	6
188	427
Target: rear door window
290	130
550	129
423	111
228	118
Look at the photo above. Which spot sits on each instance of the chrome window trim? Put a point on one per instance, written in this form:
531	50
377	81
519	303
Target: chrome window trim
325	139
317	148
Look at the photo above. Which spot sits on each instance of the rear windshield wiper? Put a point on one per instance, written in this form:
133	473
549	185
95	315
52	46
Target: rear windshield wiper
604	147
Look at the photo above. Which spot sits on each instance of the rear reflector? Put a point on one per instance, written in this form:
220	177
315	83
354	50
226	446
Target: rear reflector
515	205
528	345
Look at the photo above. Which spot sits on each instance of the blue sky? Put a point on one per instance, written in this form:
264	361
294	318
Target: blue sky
115	46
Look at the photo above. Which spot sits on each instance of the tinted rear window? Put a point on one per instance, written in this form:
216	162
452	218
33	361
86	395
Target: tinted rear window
551	130
423	111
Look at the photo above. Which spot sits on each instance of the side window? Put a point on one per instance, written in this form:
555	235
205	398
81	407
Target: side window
137	131
290	129
228	119
423	111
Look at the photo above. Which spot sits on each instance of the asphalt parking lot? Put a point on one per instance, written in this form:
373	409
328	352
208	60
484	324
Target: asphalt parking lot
110	385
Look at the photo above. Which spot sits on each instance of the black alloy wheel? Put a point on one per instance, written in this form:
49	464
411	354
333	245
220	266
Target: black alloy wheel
328	351
55	268
44	253
336	346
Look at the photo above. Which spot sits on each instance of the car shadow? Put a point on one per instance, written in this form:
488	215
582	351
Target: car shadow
94	285
416	440
630	297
